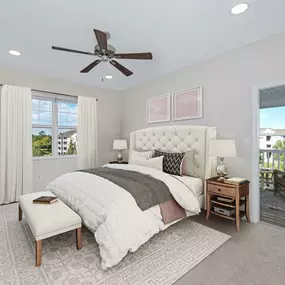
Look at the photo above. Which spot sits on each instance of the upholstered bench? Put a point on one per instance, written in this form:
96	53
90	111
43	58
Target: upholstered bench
48	220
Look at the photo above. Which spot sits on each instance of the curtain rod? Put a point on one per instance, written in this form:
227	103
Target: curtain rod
52	92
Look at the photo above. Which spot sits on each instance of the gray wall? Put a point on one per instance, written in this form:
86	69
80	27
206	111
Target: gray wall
227	83
109	116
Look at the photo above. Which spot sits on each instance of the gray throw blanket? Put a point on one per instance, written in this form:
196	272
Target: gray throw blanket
146	190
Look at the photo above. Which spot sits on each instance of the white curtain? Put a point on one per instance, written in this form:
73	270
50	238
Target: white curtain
16	177
87	133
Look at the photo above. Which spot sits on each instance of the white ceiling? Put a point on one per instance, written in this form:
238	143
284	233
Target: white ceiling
178	33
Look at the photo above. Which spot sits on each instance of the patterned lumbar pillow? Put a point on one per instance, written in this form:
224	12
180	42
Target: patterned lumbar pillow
151	162
172	162
139	155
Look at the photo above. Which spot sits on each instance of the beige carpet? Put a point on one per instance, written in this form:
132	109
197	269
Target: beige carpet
163	260
253	256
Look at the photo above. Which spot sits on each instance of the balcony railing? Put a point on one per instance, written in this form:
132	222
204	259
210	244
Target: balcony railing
272	159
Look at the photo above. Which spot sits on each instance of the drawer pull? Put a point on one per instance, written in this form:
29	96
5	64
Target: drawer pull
219	189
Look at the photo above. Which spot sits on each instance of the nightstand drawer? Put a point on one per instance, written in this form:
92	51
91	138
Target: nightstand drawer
221	190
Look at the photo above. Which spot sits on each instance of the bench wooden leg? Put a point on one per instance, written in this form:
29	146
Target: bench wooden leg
38	253
78	238
20	213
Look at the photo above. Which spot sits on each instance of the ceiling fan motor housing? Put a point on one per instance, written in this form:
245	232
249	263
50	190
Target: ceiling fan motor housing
109	53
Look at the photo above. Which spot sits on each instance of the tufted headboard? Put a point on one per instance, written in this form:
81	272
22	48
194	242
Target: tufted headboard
179	139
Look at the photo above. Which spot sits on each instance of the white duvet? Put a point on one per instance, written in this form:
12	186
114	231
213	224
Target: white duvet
109	211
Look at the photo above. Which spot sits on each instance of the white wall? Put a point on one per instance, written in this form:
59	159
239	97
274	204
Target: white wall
109	116
228	82
45	170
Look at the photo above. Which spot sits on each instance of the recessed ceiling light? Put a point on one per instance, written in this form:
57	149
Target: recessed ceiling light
14	52
239	8
108	76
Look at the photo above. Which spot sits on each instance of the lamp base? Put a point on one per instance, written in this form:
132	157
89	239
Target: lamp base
221	178
119	157
222	170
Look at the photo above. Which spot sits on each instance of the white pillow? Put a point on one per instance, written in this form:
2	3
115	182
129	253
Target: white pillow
139	155
156	162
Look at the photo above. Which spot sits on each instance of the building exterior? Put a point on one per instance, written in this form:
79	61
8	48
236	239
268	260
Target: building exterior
268	137
64	141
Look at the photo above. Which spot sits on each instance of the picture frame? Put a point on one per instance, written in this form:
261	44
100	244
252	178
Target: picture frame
187	104
158	109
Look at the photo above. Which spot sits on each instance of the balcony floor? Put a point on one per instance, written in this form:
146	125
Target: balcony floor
272	208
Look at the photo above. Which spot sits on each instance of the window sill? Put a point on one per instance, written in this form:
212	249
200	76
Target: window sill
36	158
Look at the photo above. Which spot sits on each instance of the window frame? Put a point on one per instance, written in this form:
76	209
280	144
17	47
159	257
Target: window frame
54	98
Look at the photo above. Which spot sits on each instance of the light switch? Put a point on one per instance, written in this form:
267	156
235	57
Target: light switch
246	142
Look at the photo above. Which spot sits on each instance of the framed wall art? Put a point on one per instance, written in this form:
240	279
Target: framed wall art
158	109
187	104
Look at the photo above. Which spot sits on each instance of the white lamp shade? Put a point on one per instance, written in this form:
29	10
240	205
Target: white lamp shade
223	148
120	144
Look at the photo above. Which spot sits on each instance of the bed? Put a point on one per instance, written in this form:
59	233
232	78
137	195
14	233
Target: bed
119	220
181	139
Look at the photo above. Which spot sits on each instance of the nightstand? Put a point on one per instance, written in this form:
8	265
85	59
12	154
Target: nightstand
237	196
117	162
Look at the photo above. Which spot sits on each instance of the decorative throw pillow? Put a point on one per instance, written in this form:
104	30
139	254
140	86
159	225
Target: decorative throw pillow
172	162
151	162
138	155
188	164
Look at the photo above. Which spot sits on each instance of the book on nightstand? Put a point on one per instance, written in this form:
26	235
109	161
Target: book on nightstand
45	200
235	180
225	199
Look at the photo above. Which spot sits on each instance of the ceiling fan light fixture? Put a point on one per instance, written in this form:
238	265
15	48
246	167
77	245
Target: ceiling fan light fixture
239	8
14	52
108	76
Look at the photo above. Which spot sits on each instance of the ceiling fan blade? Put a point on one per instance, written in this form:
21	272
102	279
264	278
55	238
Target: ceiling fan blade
121	68
71	50
90	66
141	56
101	39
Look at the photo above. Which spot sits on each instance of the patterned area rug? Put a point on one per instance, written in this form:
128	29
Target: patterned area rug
162	260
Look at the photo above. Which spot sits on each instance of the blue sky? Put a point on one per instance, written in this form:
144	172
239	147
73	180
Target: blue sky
42	113
272	118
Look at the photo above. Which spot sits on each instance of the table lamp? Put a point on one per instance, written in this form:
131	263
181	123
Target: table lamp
120	145
222	149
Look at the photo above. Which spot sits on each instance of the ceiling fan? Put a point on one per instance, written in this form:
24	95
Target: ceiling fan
107	53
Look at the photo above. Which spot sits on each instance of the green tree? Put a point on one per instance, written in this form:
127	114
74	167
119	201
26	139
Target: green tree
71	147
42	144
280	144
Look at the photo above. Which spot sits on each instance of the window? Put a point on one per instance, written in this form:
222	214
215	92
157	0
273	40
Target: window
268	146
54	121
268	138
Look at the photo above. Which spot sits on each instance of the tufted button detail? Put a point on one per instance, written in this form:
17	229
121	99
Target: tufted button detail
175	139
